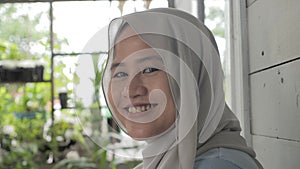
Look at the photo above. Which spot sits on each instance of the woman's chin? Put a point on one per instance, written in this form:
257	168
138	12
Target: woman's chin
140	136
143	135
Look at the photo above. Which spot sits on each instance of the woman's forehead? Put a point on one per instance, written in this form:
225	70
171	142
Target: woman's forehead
140	57
132	47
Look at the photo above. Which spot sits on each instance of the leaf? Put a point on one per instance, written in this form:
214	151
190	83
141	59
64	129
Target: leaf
2	48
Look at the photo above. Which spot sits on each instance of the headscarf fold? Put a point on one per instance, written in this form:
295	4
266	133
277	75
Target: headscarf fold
192	62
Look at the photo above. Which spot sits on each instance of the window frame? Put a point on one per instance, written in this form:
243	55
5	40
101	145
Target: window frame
239	61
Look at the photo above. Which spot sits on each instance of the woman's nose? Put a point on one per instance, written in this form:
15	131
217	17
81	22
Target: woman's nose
134	88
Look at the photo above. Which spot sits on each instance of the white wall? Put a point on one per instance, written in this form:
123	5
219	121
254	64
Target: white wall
274	63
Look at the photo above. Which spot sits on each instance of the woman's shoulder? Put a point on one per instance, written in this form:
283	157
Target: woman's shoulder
225	158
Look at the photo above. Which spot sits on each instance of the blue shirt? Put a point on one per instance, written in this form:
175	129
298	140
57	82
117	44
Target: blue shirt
225	158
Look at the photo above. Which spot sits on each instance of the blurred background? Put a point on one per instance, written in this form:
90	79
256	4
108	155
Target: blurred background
52	110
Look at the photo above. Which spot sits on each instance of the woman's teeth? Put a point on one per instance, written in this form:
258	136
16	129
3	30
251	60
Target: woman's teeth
138	109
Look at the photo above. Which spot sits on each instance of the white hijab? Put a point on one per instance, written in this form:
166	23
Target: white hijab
192	61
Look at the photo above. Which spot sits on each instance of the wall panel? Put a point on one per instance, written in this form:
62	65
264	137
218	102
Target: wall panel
275	101
277	153
274	36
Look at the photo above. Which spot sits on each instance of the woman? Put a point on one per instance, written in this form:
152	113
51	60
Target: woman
163	83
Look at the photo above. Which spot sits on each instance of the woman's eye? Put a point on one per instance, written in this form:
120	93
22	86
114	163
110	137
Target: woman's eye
120	74
150	70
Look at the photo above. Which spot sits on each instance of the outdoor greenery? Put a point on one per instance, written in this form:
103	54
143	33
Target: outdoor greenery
216	15
27	139
21	149
19	32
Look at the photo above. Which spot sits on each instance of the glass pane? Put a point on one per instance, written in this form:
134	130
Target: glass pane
64	68
215	20
26	26
87	80
158	4
24	35
77	22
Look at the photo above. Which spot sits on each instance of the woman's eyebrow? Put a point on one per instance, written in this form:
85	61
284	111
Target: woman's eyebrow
140	60
114	65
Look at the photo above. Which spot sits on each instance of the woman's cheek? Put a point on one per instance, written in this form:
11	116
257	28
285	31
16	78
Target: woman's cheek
111	96
115	95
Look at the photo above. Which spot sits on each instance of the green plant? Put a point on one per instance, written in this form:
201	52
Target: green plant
94	159
20	97
10	51
97	79
26	147
6	100
34	97
22	142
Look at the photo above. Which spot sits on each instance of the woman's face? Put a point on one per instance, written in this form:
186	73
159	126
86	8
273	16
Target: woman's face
139	91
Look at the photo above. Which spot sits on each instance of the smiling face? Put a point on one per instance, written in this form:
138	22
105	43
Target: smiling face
139	91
